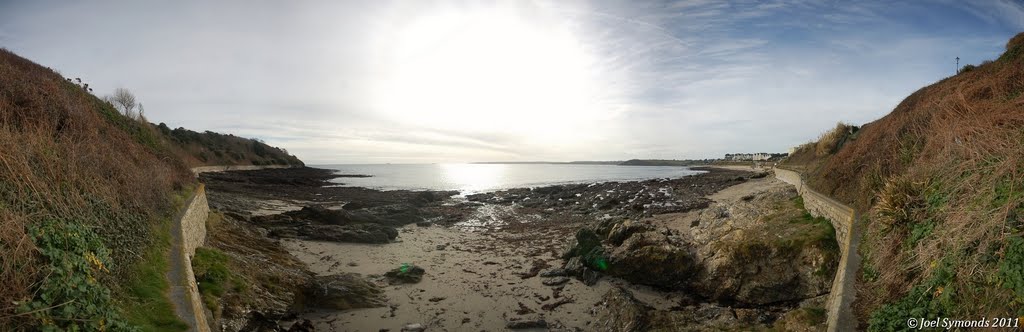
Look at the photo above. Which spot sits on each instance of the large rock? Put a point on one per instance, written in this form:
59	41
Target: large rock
649	258
621	231
358	233
321	215
586	239
619	311
756	273
574	267
390	215
342	292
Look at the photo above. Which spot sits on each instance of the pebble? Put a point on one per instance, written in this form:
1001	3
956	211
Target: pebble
555	281
554	273
413	328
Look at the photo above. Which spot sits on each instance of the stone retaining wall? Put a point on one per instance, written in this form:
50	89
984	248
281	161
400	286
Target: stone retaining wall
844	220
820	205
192	228
203	169
193	223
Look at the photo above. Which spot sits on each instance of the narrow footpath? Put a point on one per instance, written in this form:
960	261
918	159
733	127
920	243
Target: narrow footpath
178	292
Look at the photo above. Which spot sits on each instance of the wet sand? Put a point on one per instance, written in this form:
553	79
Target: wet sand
475	283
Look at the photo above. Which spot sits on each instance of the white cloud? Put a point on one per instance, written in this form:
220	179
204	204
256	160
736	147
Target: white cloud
335	81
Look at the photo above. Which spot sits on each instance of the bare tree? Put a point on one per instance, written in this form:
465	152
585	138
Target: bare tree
124	100
142	114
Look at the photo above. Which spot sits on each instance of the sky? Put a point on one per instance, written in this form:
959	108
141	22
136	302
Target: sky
421	81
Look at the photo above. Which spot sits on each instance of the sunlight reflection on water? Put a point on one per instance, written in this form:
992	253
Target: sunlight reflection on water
474	178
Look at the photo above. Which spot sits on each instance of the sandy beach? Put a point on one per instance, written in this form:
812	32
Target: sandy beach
504	260
475	283
479	279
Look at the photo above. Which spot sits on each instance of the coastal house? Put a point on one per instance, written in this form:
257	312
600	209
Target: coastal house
760	156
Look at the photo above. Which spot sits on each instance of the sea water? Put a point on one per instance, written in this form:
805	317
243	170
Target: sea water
473	178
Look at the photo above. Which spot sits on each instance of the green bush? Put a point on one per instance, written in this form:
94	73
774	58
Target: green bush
70	298
1011	269
935	297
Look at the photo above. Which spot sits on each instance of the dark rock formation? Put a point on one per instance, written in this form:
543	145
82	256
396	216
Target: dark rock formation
647	258
620	199
302	326
359	233
342	292
526	324
618	311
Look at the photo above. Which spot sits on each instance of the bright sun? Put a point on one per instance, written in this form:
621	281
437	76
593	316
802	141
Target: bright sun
488	70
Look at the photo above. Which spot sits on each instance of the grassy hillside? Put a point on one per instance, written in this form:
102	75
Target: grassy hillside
941	179
210	148
86	200
83	192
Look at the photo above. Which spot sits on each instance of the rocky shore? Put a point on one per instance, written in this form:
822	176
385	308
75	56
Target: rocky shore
721	250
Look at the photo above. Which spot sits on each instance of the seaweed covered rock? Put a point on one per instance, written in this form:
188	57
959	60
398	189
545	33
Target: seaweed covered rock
655	263
342	292
635	254
405	274
586	257
358	233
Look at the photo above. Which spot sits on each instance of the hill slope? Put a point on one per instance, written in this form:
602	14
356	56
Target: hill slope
941	181
86	197
210	148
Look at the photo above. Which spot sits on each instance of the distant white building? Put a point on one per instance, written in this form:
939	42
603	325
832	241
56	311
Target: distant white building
761	156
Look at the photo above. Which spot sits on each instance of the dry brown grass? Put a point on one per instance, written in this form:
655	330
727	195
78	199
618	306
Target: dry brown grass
810	155
63	158
831	140
948	157
900	202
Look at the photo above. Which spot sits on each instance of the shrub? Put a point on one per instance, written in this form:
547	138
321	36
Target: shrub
936	297
1016	41
1011	269
1013	47
899	202
830	141
70	297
